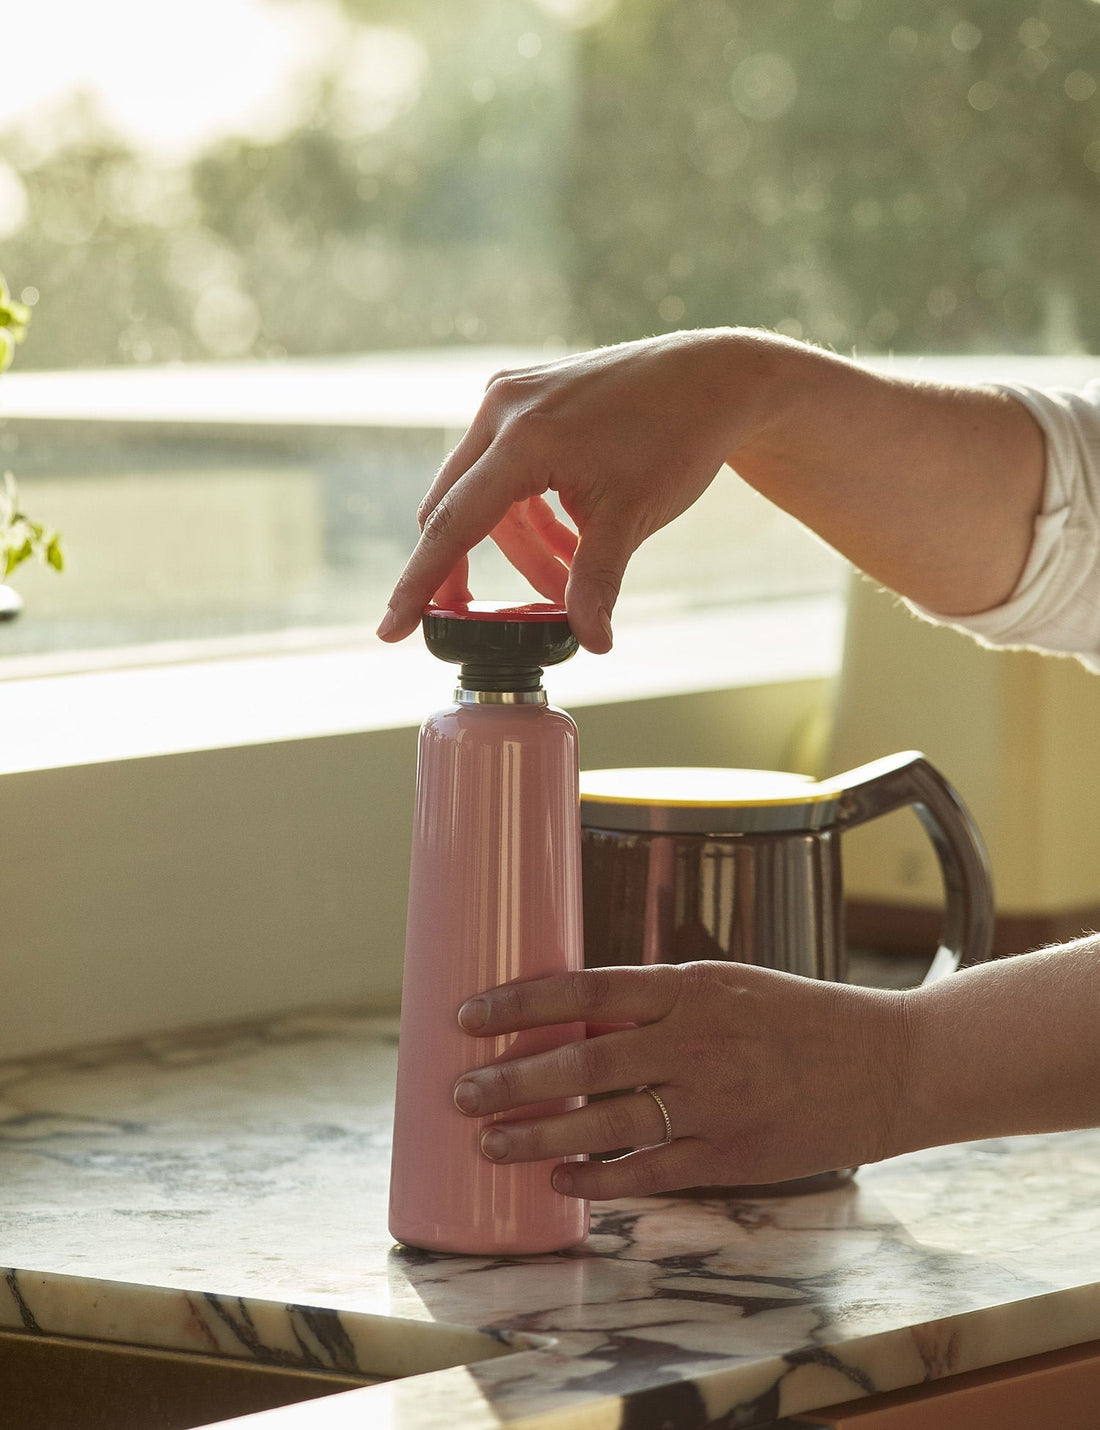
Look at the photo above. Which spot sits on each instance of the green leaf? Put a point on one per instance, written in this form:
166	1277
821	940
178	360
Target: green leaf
14	318
16	555
20	538
14	315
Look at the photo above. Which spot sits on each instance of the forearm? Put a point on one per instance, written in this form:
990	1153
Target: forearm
931	490
1008	1047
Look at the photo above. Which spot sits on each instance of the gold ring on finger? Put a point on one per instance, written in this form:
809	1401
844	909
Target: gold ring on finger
659	1100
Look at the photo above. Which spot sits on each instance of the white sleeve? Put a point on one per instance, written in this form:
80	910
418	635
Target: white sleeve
1056	603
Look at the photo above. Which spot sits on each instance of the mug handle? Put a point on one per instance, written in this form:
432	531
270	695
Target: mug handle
908	779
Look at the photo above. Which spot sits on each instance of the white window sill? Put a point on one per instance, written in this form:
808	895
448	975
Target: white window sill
55	721
422	388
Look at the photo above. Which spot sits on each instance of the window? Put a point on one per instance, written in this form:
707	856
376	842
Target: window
274	248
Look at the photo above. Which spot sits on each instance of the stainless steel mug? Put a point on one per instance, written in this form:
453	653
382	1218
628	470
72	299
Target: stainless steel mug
685	863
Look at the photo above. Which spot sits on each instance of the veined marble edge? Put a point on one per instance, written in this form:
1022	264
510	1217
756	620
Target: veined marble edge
827	1372
952	1345
350	1342
289	1335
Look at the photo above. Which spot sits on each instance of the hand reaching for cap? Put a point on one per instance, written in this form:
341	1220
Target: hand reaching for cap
932	490
628	437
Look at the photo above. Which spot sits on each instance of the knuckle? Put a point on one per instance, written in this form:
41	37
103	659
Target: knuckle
526	1143
502	391
438	525
612	1124
508	1004
666	985
508	1084
589	990
582	1061
698	980
605	576
666	977
535	1143
536	432
607	590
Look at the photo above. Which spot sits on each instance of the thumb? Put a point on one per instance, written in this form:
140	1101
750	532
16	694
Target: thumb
595	575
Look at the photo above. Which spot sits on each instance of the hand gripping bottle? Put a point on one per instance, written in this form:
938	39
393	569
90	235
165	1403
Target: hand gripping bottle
494	896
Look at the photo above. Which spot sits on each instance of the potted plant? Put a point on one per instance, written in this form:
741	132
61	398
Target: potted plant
21	538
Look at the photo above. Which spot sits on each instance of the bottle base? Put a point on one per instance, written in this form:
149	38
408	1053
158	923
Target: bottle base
456	1242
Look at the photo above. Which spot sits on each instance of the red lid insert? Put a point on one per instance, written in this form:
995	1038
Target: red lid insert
498	611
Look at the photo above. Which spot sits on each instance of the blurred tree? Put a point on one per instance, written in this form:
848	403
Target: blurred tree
96	240
875	174
890	174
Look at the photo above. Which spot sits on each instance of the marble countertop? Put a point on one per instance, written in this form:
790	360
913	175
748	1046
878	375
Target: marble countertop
226	1191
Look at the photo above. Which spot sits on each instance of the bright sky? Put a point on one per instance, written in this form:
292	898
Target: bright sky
169	77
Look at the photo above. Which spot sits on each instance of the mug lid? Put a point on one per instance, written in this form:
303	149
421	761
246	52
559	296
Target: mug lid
698	800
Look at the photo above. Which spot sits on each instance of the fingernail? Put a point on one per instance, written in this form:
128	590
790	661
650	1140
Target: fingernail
605	626
494	1144
387	623
468	1097
473	1014
562	1181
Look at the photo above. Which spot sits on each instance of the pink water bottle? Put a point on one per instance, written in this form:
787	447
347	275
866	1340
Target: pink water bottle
494	896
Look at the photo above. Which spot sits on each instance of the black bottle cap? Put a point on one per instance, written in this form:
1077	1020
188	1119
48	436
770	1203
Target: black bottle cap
499	647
